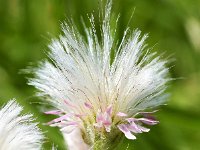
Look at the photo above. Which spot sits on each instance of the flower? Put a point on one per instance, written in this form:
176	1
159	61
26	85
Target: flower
18	132
101	95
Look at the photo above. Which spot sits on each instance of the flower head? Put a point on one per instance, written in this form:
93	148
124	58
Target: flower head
101	95
18	132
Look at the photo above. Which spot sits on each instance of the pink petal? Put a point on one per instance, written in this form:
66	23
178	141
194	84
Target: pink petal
127	133
134	128
130	120
88	105
58	119
61	118
149	116
143	129
121	114
107	123
100	118
123	128
148	121
104	119
53	112
146	112
79	115
130	136
71	105
107	117
109	110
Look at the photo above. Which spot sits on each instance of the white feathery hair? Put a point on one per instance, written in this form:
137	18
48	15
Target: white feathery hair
103	75
84	71
17	131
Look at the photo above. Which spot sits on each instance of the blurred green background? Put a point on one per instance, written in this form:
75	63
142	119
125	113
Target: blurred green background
26	27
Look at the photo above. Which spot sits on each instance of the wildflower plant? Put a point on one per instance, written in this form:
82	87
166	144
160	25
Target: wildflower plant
18	131
100	98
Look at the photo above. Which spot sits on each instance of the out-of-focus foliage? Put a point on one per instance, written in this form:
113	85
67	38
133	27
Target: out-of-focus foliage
26	27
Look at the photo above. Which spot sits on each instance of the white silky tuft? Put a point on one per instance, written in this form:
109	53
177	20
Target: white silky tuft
17	131
92	81
81	71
